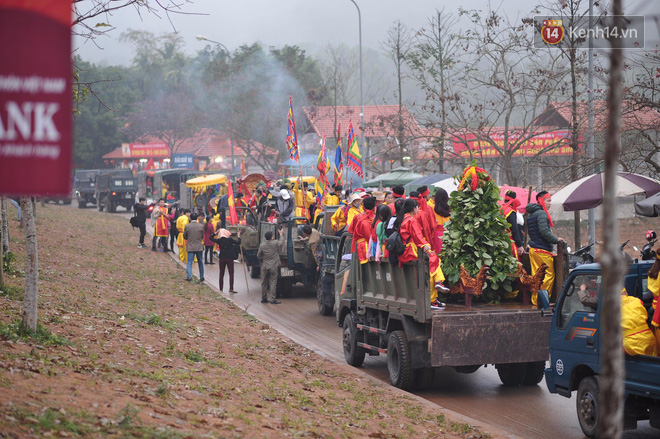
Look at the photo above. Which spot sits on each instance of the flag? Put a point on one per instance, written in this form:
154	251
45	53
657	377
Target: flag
291	137
339	164
244	189
323	165
243	168
233	216
150	164
353	156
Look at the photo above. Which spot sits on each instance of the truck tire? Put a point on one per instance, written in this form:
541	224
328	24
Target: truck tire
512	374
283	288
255	272
587	405
398	361
424	378
66	202
324	298
82	204
353	354
534	373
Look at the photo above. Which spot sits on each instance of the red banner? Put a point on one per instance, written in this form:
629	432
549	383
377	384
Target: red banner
145	150
553	142
35	97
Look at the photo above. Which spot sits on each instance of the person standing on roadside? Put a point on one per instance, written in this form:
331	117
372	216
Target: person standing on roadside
209	231
541	240
175	212
269	259
141	209
228	249
193	234
181	223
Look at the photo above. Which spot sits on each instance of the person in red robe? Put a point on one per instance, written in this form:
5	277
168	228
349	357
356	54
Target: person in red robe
362	231
413	240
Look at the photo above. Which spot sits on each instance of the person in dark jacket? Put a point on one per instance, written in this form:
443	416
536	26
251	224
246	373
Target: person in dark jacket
141	209
228	249
174	232
285	204
209	231
541	239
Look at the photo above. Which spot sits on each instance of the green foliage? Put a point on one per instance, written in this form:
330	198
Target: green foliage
477	235
12	292
15	331
7	260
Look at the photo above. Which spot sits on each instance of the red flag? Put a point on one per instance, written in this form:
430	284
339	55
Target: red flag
150	164
233	216
243	168
245	190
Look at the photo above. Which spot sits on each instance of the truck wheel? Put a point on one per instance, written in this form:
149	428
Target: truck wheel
82	204
283	288
255	272
398	361
66	202
587	405
352	352
325	304
512	374
534	373
424	378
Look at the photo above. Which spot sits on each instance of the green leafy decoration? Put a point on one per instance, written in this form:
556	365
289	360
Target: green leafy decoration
477	235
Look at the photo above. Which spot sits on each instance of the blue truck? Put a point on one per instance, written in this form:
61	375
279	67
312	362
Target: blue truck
575	350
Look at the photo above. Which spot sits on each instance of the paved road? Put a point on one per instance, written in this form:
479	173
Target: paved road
524	412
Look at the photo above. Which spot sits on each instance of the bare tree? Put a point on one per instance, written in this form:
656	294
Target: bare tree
433	63
29	320
397	46
339	72
610	418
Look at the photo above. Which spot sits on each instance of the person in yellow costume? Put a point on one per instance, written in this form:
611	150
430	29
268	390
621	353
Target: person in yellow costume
333	198
181	223
303	198
638	339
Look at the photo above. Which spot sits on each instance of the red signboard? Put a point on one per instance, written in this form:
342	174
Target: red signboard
145	150
35	97
555	142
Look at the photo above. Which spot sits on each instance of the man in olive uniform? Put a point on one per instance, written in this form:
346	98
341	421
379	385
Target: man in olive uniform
269	259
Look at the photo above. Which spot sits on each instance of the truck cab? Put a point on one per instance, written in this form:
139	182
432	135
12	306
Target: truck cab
85	185
115	187
575	350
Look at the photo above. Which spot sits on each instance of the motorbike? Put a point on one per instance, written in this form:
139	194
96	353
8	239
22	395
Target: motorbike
647	253
580	257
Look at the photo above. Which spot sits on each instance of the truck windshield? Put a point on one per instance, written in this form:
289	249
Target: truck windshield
581	296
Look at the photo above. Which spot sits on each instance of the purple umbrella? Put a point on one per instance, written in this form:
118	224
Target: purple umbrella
587	192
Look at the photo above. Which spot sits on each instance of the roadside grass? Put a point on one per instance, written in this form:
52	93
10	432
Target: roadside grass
16	331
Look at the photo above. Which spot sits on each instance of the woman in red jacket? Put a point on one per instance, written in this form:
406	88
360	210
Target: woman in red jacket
413	239
209	231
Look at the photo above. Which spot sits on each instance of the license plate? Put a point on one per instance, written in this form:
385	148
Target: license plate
127	196
285	272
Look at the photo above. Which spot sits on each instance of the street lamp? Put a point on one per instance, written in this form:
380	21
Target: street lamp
364	145
203	38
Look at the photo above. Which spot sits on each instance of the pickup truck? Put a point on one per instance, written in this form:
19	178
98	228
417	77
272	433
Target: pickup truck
575	350
115	187
385	309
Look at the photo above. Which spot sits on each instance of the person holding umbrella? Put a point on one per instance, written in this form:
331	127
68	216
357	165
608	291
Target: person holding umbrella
541	240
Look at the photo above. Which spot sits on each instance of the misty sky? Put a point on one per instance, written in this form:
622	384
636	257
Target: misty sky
307	23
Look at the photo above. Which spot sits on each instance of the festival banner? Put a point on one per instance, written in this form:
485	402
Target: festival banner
353	157
556	143
35	97
339	165
291	136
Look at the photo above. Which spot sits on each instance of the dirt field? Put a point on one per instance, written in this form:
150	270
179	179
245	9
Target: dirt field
129	349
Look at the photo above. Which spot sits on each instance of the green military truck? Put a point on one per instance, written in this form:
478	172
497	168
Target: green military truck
85	186
115	187
386	310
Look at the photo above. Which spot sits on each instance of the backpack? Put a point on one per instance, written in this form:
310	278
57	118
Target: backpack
394	244
134	221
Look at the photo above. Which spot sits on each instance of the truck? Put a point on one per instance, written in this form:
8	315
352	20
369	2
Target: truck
85	186
330	248
297	262
115	187
385	309
574	345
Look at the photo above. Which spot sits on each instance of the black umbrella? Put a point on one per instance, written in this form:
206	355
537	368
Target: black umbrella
649	206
